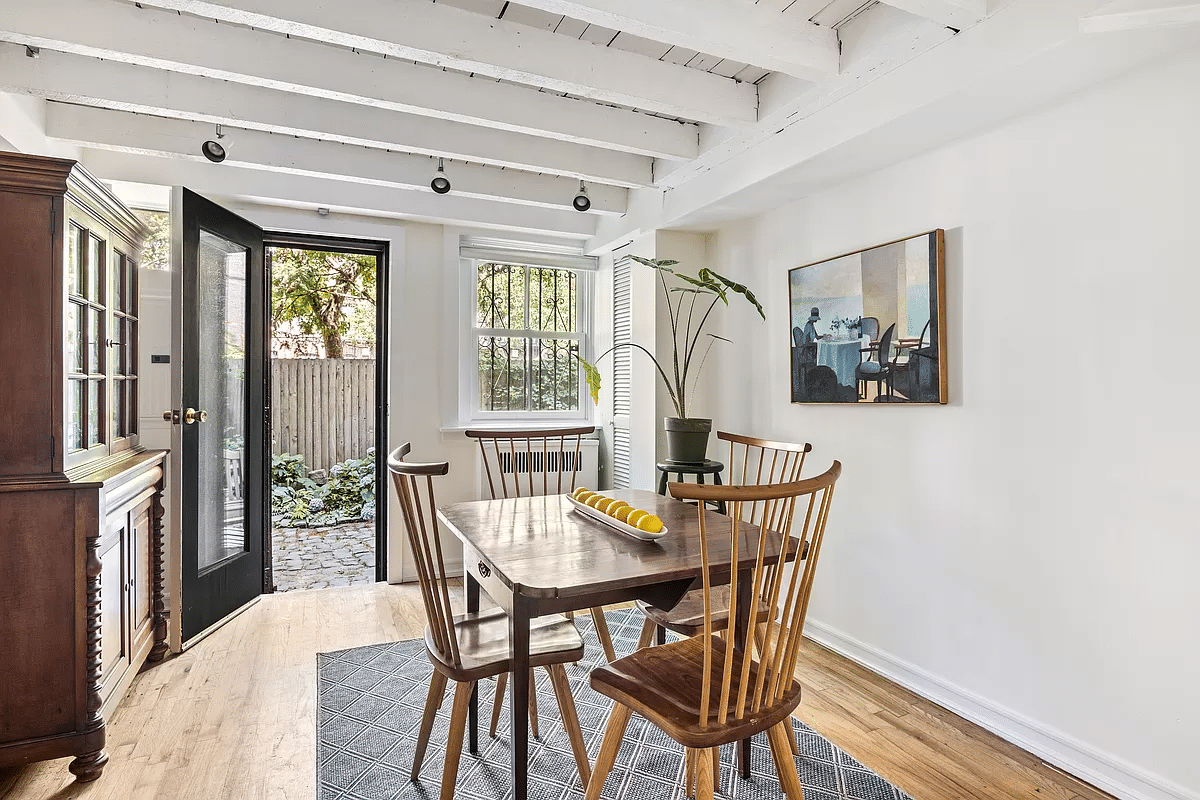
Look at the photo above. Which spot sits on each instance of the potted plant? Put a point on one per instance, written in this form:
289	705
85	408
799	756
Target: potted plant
687	438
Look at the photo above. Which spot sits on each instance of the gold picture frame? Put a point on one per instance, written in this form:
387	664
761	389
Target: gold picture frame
870	326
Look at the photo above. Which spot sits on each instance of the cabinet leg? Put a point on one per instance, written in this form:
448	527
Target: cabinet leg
88	766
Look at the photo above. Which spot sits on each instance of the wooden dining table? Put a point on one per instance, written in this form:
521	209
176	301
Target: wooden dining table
538	555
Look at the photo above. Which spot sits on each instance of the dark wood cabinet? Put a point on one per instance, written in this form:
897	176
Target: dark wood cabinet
81	583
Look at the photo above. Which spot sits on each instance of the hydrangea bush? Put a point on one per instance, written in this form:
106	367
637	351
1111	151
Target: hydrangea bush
347	495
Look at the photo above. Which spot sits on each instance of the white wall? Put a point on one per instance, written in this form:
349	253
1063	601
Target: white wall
1028	554
23	127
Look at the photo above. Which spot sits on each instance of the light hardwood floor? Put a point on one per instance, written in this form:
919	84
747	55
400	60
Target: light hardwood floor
234	717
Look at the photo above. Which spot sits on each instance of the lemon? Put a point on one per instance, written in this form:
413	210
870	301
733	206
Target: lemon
635	516
603	505
584	496
649	524
582	490
623	513
595	499
615	506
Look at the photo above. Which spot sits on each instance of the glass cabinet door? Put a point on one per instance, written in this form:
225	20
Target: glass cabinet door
100	329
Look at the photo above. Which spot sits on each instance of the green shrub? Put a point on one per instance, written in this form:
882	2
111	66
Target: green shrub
348	495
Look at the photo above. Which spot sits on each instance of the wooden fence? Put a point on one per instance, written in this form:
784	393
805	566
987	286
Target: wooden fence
323	408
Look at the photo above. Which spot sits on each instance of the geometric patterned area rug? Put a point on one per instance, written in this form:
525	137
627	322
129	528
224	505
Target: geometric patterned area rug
370	701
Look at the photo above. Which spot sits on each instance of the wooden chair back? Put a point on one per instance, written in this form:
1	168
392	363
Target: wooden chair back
884	354
546	459
754	462
747	687
418	509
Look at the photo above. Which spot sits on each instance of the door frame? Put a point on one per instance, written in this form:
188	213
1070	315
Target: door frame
381	249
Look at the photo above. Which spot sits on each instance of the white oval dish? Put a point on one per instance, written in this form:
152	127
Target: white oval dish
613	522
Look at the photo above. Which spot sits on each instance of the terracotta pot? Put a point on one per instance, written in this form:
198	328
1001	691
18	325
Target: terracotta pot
687	439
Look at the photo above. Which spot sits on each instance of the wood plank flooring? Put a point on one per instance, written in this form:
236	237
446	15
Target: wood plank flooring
234	717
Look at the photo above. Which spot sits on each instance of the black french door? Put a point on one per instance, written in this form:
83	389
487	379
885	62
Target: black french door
221	418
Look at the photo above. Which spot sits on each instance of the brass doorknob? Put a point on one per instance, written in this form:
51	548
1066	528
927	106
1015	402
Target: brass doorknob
192	415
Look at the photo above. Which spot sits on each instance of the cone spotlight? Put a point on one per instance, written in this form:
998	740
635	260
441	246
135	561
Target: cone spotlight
440	183
214	151
581	201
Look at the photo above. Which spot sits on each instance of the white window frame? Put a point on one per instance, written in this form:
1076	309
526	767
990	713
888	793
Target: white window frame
471	254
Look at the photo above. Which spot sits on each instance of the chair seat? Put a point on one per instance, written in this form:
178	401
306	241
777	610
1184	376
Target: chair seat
663	684
483	644
869	368
687	617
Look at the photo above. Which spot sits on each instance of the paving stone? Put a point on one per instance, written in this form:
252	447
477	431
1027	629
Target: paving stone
318	558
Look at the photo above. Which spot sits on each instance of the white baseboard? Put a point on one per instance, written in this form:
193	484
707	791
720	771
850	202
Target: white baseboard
1102	770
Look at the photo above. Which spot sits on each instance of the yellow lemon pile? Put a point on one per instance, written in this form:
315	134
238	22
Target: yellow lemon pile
620	510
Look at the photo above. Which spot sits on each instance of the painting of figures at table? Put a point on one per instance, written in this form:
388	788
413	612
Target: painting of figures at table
870	326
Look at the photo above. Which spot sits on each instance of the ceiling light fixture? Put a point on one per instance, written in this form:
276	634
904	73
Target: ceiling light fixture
440	183
581	202
214	151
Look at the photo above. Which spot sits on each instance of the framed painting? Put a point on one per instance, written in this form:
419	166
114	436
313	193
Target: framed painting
870	326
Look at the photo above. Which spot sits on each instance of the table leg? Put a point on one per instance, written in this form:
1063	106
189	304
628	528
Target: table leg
720	503
518	631
662	483
471	586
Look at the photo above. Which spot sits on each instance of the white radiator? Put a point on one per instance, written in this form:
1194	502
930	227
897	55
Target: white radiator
526	465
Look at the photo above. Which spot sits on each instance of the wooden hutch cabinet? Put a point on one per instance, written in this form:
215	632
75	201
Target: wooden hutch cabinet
81	582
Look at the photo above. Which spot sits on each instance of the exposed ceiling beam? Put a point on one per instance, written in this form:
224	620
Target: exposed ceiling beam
297	191
134	133
737	30
873	43
957	14
122	87
444	36
1026	31
124	33
1125	15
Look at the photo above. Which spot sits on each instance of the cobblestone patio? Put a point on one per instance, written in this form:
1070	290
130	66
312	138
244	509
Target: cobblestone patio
319	558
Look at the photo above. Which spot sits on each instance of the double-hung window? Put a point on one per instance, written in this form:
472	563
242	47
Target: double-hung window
529	316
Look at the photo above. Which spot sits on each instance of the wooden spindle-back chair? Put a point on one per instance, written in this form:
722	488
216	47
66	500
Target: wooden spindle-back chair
703	692
469	647
752	462
529	463
548	458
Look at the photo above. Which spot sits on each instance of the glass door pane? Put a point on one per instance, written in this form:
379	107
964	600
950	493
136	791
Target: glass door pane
222	363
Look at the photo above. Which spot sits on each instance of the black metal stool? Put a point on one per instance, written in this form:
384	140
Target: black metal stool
699	469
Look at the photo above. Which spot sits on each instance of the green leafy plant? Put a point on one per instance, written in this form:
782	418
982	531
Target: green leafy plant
686	307
347	495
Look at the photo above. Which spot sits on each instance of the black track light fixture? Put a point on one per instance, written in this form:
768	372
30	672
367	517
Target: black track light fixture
214	151
581	202
440	183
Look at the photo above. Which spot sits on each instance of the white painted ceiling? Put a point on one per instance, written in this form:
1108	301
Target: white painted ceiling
672	113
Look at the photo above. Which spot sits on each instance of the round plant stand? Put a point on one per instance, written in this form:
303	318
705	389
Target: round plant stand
699	469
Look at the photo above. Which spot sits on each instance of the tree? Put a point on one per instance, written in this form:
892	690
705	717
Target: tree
157	252
323	293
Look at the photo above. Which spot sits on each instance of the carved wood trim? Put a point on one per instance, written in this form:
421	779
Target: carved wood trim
93	662
158	596
34	174
93	197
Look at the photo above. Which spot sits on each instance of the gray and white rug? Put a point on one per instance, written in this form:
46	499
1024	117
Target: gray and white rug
370	704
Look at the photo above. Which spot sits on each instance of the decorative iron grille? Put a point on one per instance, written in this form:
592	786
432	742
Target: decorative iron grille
527	324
